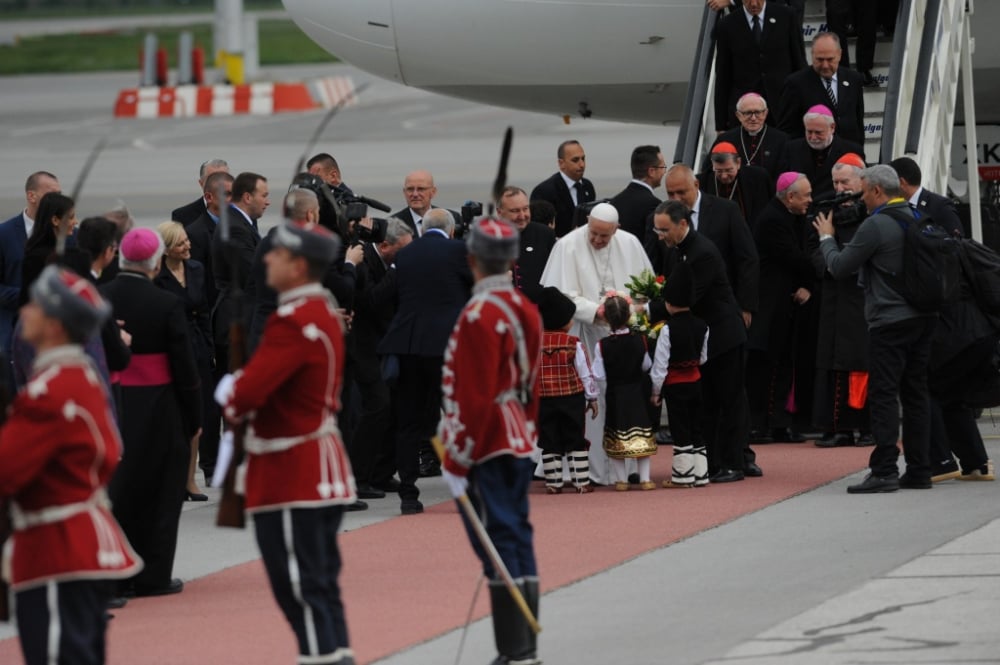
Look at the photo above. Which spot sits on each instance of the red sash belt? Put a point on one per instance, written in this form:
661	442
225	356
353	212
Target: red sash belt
147	369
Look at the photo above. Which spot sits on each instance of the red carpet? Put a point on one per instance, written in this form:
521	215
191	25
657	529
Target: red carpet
410	579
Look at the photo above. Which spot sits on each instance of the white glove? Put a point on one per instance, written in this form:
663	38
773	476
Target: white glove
223	458
224	390
456	484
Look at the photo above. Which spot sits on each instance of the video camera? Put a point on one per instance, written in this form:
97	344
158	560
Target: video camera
847	208
470	210
582	211
341	211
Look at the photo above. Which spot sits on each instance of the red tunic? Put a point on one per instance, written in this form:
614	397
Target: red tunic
290	390
559	375
58	450
483	377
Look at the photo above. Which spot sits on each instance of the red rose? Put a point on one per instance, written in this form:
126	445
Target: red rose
660	279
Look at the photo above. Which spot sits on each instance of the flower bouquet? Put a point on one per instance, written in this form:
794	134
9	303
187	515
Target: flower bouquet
645	286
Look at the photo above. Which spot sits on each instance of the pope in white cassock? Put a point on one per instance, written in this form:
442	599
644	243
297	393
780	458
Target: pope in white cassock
584	264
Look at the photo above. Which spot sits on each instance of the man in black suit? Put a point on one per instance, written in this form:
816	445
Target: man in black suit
924	202
13	236
838	88
419	190
434	282
568	188
200	232
192	211
816	154
721	222
797	6
536	241
374	306
758	143
231	265
327	168
756	49
635	204
749	187
726	417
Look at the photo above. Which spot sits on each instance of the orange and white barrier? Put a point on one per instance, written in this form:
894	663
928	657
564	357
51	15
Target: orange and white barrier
187	101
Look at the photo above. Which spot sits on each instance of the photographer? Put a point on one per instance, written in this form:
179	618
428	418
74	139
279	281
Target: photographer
842	346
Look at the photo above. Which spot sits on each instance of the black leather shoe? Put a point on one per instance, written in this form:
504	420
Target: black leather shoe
864	440
910	482
195	496
751	470
869	80
835	440
873	484
633	479
757	436
369	492
727	476
411	507
356	506
174	586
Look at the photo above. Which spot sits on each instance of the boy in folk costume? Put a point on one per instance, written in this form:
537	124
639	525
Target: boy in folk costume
58	450
490	387
567	392
680	350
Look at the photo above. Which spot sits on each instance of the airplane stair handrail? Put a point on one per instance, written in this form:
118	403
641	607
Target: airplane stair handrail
894	89
927	47
700	88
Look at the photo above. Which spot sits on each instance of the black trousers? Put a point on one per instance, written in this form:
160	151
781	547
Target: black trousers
63	622
302	559
418	411
373	418
953	424
684	410
864	14
726	416
898	374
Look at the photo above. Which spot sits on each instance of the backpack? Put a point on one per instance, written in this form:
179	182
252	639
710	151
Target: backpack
931	265
981	266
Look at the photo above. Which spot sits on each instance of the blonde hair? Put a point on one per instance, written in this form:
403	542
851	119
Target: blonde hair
171	233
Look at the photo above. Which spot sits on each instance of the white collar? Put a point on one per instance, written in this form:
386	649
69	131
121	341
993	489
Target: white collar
749	16
569	181
915	199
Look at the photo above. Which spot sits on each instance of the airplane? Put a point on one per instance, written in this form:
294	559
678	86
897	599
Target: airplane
627	60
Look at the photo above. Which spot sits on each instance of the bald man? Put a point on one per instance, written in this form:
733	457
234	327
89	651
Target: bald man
419	190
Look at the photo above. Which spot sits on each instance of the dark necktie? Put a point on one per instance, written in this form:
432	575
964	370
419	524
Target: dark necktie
830	93
756	29
578	186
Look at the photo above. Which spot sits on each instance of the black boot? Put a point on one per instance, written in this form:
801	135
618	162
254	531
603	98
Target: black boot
511	632
531	593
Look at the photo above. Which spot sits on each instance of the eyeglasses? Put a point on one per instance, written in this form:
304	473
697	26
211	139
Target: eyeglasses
753	114
661	232
659	167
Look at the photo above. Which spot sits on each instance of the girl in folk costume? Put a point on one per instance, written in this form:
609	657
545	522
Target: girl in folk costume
680	349
566	382
621	360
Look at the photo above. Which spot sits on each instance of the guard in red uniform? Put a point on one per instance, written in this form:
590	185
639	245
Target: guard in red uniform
298	477
58	450
490	387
